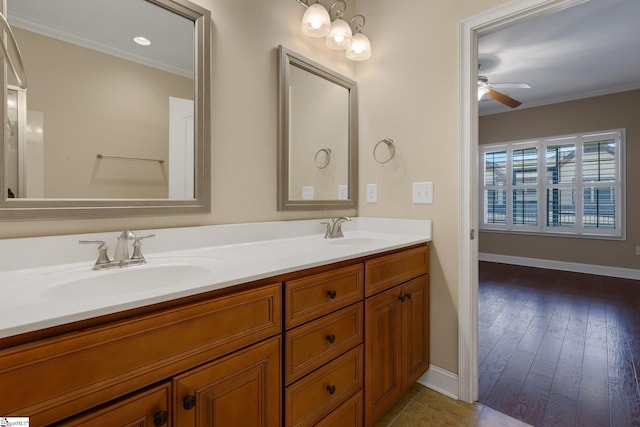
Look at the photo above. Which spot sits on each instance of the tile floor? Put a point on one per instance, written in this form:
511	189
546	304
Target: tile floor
421	407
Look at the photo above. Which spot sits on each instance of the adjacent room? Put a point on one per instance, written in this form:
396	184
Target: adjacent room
558	339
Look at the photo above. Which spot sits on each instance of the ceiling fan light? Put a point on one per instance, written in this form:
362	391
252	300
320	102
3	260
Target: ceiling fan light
316	21
482	91
339	36
360	49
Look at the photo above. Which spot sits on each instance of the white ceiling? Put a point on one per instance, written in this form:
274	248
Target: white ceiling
109	26
589	49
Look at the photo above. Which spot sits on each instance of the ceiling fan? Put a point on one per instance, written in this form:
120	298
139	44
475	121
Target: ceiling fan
486	88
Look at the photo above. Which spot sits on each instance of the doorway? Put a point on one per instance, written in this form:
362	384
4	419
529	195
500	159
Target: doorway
506	14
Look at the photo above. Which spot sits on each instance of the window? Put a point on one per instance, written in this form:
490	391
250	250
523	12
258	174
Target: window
569	185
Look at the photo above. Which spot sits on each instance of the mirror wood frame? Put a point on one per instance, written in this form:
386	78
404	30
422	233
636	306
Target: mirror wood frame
44	209
287	58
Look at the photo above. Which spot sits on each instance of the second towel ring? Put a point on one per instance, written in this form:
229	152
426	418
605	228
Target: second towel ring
327	152
391	146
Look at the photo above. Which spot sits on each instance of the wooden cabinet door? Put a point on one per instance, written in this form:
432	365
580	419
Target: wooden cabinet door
148	408
383	357
242	389
415	329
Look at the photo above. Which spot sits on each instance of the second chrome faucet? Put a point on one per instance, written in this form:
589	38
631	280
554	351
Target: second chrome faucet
334	227
121	256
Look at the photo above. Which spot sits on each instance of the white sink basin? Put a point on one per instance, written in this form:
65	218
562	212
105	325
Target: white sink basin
82	283
354	241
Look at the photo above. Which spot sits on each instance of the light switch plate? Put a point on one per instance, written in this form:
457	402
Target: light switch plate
372	193
422	192
307	192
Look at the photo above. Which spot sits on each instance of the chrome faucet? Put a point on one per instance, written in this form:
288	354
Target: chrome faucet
121	256
122	246
334	227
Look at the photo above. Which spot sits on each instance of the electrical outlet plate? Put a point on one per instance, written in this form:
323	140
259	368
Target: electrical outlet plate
372	193
307	192
422	192
343	192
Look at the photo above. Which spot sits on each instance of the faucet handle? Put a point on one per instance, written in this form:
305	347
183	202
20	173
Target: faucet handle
137	247
329	225
103	257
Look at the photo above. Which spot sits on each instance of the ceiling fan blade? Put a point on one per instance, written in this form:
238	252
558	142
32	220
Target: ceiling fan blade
514	85
501	97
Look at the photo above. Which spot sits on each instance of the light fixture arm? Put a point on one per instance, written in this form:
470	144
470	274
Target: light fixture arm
355	23
339	12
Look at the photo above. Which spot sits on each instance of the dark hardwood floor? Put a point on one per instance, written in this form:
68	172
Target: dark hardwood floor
558	348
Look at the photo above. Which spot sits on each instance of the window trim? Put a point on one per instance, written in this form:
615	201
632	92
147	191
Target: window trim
541	144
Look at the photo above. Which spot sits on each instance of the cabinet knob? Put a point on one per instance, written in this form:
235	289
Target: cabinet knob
402	298
331	338
332	294
189	402
160	418
408	295
331	389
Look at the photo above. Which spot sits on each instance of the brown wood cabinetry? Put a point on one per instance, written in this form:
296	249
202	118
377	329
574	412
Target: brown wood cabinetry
242	389
397	333
323	361
146	408
355	336
55	378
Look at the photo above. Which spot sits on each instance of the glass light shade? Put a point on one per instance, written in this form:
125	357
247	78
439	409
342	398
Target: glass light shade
316	21
482	91
360	48
339	36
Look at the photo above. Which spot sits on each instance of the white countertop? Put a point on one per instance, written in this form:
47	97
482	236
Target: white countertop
48	281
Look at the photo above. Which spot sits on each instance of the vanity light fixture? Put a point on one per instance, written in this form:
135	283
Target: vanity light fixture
316	21
339	34
360	48
142	41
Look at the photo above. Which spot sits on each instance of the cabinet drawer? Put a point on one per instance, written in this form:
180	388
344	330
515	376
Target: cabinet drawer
316	395
314	296
148	408
315	343
349	414
390	270
52	379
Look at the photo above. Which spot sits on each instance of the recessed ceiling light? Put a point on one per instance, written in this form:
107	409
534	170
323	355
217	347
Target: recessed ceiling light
142	41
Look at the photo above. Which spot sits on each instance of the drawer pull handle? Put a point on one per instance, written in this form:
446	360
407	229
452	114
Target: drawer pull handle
189	402
331	389
332	294
331	338
160	418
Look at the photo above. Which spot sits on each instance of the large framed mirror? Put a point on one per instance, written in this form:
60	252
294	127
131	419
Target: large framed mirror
317	136
115	119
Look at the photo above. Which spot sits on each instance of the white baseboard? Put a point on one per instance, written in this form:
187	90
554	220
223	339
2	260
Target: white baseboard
601	270
440	380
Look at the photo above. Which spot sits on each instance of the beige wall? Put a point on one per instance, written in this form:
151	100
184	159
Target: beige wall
409	91
95	103
593	114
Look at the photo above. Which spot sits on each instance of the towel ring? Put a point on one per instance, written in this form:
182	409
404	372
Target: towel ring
327	152
390	145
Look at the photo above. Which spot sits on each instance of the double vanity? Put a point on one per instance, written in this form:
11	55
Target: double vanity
264	324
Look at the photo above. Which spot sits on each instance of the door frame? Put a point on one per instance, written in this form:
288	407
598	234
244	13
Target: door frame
508	13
